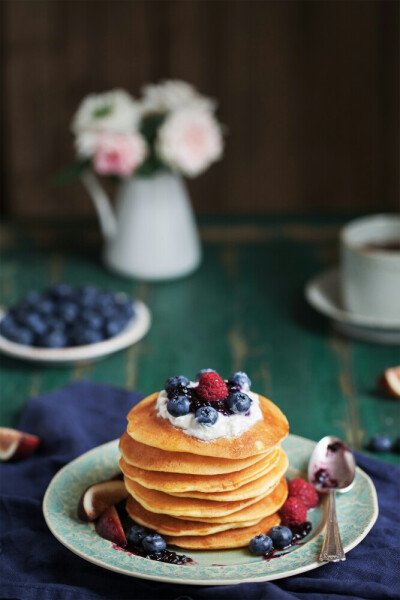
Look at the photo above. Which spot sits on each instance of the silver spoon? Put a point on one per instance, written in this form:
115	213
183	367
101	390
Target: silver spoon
332	469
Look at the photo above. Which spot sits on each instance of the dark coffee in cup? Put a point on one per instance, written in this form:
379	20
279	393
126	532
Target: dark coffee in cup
389	246
370	267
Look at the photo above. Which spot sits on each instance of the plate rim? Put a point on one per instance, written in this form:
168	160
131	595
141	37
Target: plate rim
340	314
135	330
200	582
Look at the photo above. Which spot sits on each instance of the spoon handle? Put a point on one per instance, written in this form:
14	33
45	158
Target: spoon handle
332	549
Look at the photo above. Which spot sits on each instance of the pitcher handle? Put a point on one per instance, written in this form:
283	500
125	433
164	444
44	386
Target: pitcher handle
101	201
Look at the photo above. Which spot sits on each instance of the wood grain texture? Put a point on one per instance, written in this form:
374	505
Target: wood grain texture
243	309
309	92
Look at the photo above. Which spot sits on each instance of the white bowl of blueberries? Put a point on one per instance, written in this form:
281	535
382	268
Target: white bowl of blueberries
67	324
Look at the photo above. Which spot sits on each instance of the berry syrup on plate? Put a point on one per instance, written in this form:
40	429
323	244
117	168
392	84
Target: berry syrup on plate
299	533
166	556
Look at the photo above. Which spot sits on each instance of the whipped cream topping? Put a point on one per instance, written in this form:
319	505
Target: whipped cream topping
226	425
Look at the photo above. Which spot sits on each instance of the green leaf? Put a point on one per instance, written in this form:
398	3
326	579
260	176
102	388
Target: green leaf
149	127
102	111
150	166
70	173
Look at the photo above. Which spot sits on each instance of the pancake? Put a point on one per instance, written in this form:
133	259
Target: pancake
146	457
158	502
262	508
258	487
186	483
232	538
145	426
167	525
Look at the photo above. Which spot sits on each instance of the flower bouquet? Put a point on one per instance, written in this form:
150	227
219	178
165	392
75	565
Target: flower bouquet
148	145
170	127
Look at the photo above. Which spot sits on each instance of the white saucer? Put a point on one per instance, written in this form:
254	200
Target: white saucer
323	293
137	327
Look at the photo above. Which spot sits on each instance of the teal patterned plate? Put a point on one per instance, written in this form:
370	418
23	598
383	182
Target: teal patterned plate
357	512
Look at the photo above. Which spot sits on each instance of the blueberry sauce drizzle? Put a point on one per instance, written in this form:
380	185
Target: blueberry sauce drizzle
323	478
166	556
299	533
196	402
335	447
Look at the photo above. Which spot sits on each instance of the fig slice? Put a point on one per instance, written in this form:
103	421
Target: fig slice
100	496
389	382
16	444
109	527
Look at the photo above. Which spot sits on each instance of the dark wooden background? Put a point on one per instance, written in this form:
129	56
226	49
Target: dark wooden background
309	91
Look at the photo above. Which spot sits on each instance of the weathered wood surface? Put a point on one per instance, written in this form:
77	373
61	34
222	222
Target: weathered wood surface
243	309
309	92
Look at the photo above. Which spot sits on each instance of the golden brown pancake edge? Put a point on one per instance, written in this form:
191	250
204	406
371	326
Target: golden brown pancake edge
145	426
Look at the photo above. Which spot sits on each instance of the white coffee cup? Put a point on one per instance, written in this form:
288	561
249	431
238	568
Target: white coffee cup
370	266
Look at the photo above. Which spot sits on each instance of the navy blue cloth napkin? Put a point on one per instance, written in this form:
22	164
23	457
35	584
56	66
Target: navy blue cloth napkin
35	566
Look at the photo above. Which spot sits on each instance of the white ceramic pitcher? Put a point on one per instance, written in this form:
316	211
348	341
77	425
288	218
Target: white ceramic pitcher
152	234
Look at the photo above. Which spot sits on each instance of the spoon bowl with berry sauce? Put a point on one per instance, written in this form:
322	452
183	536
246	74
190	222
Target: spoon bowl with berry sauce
332	469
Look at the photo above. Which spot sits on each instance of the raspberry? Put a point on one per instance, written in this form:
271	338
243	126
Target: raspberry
304	491
211	387
293	512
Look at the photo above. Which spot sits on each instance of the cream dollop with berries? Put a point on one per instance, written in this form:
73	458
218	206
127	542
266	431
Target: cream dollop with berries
210	407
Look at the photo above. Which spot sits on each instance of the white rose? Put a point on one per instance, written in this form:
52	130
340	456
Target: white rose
171	95
85	143
113	111
189	140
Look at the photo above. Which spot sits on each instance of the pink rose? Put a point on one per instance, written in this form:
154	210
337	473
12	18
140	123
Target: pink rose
118	153
190	140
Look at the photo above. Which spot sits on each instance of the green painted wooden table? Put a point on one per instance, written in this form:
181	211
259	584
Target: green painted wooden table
243	309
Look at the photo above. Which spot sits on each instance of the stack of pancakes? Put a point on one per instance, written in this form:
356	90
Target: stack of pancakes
204	494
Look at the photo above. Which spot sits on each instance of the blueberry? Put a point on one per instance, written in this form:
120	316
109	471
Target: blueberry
202	371
55	324
92	319
174	382
32	298
53	339
82	337
396	446
153	542
126	309
89	290
45	306
136	534
206	415
61	290
241	380
68	311
178	406
19	313
7	324
113	327
380	443
105	299
281	536
88	295
34	322
239	402
21	335
260	544
109	312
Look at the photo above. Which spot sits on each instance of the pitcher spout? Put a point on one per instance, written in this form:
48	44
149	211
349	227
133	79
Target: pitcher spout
102	203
